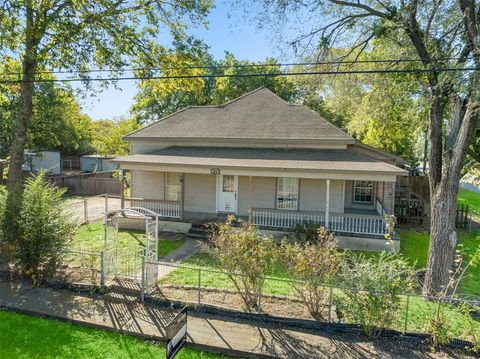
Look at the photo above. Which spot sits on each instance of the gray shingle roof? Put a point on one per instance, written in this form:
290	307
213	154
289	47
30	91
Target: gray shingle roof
259	114
295	159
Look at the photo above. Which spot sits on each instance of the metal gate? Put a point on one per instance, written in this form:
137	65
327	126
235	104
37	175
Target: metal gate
127	262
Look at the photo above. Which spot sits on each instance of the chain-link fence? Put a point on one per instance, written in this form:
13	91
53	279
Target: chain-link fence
283	297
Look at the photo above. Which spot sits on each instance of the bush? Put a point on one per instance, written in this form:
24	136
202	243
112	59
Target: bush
305	232
372	288
45	229
313	266
246	256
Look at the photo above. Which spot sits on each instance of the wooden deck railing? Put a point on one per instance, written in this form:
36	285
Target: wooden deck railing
338	222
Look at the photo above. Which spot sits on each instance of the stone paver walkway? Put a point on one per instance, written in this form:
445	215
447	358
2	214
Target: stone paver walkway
128	315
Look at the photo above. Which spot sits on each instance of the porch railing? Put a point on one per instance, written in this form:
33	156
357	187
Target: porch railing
163	208
338	222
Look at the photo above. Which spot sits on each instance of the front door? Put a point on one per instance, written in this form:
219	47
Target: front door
227	193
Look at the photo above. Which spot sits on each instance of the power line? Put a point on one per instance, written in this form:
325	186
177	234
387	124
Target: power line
301	73
220	67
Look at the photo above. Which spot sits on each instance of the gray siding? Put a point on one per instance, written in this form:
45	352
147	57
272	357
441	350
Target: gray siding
263	193
200	193
147	184
313	194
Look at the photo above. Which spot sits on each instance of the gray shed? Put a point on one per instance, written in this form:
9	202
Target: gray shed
97	163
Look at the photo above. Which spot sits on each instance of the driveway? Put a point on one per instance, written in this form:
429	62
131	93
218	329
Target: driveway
95	207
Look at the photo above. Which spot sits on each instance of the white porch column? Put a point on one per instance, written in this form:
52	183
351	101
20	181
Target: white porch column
250	185
327	205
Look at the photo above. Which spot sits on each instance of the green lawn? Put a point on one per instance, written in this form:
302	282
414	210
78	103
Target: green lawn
470	198
91	236
414	246
28	337
211	276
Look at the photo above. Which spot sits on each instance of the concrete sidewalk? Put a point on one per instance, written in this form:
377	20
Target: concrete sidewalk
126	314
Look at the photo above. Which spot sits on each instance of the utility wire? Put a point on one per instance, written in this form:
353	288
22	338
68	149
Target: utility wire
301	73
221	67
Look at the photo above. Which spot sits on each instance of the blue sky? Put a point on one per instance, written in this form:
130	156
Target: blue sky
234	34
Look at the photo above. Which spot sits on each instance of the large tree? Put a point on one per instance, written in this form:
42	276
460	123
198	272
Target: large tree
156	99
78	35
443	34
369	105
57	122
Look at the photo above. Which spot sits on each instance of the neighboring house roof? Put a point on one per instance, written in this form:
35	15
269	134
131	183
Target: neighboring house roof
259	114
292	159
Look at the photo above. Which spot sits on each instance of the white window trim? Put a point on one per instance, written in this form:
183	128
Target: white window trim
166	185
355	187
298	195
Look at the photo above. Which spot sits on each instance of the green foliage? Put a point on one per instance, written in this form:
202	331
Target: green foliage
107	136
156	99
313	266
44	229
371	289
439	326
57	124
369	106
246	257
305	232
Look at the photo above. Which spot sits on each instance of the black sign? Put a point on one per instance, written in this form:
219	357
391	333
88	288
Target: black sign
215	171
176	332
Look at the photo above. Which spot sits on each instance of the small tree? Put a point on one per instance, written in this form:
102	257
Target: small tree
45	229
246	256
313	266
372	288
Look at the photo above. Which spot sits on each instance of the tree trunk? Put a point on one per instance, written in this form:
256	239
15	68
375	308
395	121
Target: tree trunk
443	237
446	162
14	179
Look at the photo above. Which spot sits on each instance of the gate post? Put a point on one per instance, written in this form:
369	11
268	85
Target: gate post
144	280
103	279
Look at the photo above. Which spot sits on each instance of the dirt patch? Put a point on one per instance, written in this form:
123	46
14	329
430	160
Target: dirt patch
279	306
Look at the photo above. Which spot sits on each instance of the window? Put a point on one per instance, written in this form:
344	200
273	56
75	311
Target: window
228	183
287	193
362	191
173	186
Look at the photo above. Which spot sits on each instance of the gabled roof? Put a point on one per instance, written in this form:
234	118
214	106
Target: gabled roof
259	114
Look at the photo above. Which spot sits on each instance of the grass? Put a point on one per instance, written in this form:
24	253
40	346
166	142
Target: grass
470	198
91	236
23	336
211	276
414	246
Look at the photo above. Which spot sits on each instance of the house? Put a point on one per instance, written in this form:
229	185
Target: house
97	163
44	160
270	162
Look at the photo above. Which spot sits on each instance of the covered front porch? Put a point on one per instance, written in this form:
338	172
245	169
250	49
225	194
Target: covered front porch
271	188
267	202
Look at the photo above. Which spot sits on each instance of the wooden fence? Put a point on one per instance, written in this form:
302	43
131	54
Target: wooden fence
89	183
416	184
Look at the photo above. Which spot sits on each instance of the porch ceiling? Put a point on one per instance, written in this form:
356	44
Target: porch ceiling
264	159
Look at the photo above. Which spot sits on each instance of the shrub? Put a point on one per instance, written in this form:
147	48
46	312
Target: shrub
305	232
372	288
45	229
246	256
313	267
